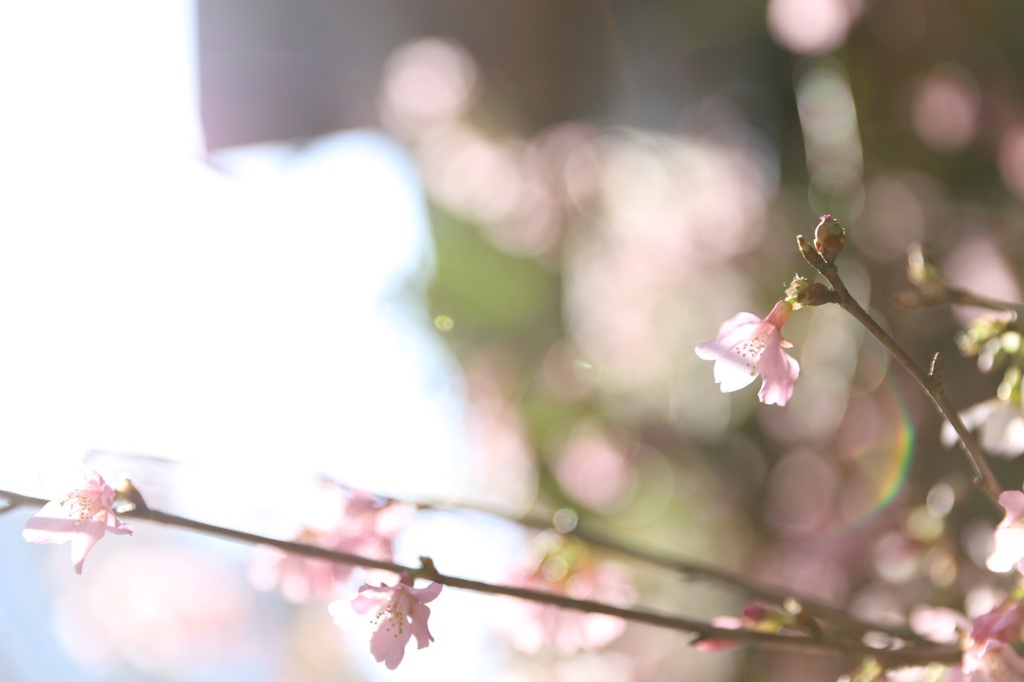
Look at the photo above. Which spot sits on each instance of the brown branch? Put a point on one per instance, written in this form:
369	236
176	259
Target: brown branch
695	570
930	289
946	295
931	382
913	654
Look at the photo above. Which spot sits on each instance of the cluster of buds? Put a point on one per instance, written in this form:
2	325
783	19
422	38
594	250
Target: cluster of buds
993	338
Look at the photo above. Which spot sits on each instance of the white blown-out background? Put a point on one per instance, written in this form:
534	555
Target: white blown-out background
236	331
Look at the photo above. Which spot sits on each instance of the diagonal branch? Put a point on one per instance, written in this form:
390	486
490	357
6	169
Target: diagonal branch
931	382
695	570
817	643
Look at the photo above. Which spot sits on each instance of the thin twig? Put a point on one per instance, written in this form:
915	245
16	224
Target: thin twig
912	654
692	569
930	382
922	297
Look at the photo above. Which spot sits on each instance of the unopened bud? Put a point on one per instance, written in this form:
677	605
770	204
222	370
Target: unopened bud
128	498
987	335
754	612
920	270
1009	389
829	238
809	253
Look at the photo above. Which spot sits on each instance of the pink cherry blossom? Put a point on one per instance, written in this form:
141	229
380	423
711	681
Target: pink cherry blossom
938	624
81	518
989	654
1009	535
551	564
987	641
359	523
402	613
747	346
299	578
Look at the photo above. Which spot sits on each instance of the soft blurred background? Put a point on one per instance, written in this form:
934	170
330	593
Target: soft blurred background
462	252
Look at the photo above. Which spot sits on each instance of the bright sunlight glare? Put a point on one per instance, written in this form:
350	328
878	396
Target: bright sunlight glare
253	322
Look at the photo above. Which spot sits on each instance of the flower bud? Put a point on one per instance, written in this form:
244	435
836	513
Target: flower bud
984	335
829	238
920	270
808	252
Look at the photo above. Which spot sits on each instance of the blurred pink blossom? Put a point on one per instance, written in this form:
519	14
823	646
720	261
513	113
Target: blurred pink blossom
753	616
402	613
533	627
159	612
299	578
938	624
747	346
1009	535
989	654
1000	425
365	524
81	518
987	641
729	622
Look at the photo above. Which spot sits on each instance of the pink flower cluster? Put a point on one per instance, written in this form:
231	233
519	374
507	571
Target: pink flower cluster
989	654
987	641
360	523
367	526
564	568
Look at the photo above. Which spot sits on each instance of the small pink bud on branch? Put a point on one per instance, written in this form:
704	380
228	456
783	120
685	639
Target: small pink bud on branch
829	238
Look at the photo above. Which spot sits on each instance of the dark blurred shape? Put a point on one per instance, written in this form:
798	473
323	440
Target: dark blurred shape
273	71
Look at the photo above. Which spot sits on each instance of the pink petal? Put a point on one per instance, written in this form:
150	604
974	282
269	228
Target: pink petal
732	375
1013	502
732	371
425	594
779	372
733	331
1009	549
736	321
362	603
388	643
89	534
937	624
379	589
418	615
50	524
117	526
